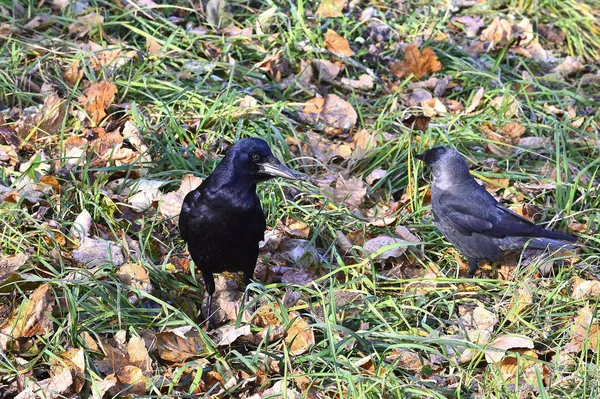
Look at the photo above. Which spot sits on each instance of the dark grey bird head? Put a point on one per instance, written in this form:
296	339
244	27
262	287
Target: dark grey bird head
253	158
447	165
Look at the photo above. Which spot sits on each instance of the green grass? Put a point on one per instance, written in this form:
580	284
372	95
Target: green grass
185	101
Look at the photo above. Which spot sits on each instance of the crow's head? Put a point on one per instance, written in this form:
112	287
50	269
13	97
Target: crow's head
446	162
253	157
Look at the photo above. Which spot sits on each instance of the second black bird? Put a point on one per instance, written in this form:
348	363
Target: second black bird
471	218
222	220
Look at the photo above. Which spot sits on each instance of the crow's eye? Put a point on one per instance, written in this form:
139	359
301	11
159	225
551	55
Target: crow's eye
255	157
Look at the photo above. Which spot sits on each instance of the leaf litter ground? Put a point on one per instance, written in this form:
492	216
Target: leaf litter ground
110	112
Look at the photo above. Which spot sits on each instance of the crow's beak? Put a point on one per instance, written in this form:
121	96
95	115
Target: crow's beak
273	167
420	157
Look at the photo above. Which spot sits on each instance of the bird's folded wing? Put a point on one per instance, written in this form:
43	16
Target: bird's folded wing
494	221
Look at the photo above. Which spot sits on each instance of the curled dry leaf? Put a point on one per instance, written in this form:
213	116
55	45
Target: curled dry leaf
72	74
506	342
475	101
584	331
170	205
570	66
416	62
31	318
330	8
585	288
96	99
326	70
72	360
477	318
85	24
10	264
519	302
179	344
433	107
351	191
97	252
364	82
299	336
227	335
334	112
337	44
378	243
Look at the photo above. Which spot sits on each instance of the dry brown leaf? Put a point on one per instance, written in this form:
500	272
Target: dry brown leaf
296	228
585	288
337	44
416	97
375	244
10	264
179	344
227	335
477	318
72	74
416	62
31	318
334	112
519	302
513	131
364	82
330	8
570	66
552	33
97	97
171	202
522	366
506	342
152	46
299	336
351	191
326	70
472	24
475	101
74	361
584	331
406	359
133	379
375	176
507	103
85	24
433	107
417	122
498	32
94	252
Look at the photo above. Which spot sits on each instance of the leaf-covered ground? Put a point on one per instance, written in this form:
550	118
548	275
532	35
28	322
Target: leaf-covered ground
111	111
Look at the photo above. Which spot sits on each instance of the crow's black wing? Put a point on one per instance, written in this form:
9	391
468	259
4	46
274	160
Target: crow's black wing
189	214
473	210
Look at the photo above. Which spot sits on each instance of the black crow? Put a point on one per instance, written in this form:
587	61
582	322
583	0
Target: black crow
222	220
472	220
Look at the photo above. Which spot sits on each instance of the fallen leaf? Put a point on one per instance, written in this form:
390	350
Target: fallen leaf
498	32
585	288
334	112
299	335
337	44
133	379
152	46
101	387
475	101
170	205
375	176
216	15
179	344
406	359
433	107
417	63
552	33
506	342
98	252
364	82
296	228
97	97
417	122
472	24
85	24
38	21
477	318
326	70
31	318
376	244
330	8
227	335
351	191
10	264
570	66
416	97
73	74
519	302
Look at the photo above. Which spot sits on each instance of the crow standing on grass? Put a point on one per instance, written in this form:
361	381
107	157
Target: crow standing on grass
222	220
472	220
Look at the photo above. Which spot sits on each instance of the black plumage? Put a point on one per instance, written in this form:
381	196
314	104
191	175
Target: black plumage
222	220
471	218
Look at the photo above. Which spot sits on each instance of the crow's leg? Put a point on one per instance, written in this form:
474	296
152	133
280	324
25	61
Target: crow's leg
247	280
209	284
472	266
